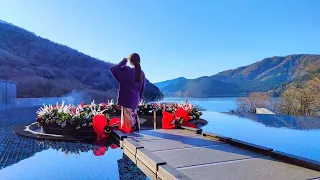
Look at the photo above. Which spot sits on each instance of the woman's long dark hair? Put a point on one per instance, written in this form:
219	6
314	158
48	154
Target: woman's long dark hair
135	59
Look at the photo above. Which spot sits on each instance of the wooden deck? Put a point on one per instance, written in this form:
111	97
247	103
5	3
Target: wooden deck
184	154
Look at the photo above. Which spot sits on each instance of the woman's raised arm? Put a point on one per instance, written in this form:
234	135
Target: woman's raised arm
115	70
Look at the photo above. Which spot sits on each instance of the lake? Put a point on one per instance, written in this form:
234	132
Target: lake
221	104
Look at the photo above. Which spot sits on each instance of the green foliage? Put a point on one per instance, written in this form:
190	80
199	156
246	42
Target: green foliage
302	98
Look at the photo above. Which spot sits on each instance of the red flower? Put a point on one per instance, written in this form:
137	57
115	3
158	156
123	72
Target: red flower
99	148
74	109
113	146
115	122
102	127
167	120
81	104
99	122
39	119
180	112
103	104
100	151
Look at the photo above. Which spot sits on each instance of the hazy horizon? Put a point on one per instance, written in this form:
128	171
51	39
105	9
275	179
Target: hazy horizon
188	40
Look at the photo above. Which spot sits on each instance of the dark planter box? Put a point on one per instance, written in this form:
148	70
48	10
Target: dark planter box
68	130
150	120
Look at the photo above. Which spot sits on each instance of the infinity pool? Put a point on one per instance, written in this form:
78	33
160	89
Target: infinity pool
295	135
24	158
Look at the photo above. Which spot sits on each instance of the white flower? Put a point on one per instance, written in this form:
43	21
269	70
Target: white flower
99	108
78	111
65	109
80	108
60	108
142	103
92	104
45	110
111	102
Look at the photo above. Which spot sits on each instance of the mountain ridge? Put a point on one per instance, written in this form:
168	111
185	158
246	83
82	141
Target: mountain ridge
266	75
43	68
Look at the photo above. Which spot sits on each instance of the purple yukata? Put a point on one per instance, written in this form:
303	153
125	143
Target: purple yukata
130	93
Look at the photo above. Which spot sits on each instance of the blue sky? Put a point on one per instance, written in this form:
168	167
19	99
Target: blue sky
174	37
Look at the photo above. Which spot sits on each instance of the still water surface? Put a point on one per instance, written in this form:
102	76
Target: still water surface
296	135
29	159
24	158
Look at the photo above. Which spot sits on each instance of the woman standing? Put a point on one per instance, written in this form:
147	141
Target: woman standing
132	84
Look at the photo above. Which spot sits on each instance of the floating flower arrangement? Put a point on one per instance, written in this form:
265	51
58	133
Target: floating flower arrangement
77	116
147	108
81	116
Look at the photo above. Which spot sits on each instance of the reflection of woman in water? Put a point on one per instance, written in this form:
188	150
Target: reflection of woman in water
132	84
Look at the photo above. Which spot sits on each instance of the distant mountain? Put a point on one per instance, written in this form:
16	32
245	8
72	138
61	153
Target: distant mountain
43	68
163	84
268	75
200	87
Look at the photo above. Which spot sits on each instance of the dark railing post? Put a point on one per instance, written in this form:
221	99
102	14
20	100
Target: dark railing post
154	119
6	96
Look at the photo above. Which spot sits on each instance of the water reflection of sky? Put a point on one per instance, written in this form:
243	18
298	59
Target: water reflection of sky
25	158
292	135
57	165
279	121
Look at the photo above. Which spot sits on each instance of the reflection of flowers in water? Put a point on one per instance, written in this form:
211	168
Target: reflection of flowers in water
66	147
99	147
